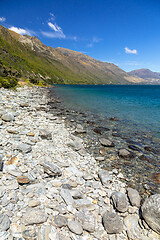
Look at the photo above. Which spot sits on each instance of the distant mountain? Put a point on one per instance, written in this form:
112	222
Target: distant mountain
146	74
27	58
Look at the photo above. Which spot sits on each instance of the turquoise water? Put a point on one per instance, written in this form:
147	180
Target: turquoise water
138	104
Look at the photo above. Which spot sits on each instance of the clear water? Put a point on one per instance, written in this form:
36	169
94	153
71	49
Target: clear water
138	111
138	104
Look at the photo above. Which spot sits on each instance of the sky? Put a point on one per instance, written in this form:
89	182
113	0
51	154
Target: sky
123	32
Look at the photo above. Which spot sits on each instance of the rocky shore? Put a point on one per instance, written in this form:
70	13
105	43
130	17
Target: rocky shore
51	188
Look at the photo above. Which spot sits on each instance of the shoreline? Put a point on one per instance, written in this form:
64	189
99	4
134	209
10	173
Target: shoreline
141	170
51	187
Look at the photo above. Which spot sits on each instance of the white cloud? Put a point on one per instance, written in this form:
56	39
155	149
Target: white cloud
54	34
55	27
20	30
58	32
52	18
2	19
127	50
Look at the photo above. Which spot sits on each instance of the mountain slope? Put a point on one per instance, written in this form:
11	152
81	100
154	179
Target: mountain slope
29	58
146	74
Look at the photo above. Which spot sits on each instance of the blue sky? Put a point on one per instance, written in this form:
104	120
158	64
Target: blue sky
124	32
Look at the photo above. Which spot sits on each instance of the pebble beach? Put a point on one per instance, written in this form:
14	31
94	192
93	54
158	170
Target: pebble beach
52	188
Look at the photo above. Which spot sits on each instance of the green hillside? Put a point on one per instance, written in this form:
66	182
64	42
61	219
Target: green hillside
25	57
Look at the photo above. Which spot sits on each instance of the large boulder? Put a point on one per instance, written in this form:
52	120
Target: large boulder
151	212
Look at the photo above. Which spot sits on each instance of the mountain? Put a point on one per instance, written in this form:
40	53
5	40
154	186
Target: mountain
146	74
27	58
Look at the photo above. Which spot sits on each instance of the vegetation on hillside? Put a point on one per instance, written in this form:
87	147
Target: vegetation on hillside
41	64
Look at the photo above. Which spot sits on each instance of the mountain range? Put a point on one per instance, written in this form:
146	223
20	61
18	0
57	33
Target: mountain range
26	58
146	74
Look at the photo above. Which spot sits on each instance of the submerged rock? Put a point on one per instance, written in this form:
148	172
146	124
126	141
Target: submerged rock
151	212
106	143
124	153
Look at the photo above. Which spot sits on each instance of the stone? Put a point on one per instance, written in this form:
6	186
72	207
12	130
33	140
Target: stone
76	194
88	176
100	130
24	105
12	161
99	159
105	177
29	234
151	212
75	227
124	153
83	203
134	197
67	197
76	145
133	229
60	221
106	143
45	134
120	201
51	169
33	203
7	117
24	148
12	131
66	186
112	222
4	222
1	163
87	220
23	179
34	216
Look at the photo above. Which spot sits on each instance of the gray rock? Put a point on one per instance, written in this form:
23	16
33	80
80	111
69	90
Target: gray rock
134	197
34	216
120	201
124	153
45	134
29	234
83	203
75	227
1	163
7	117
151	212
76	145
4	222
65	194
105	177
106	143
133	229
51	169
24	148
112	222
60	221
76	194
87	220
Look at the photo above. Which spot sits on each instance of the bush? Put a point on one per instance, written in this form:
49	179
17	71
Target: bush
8	82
